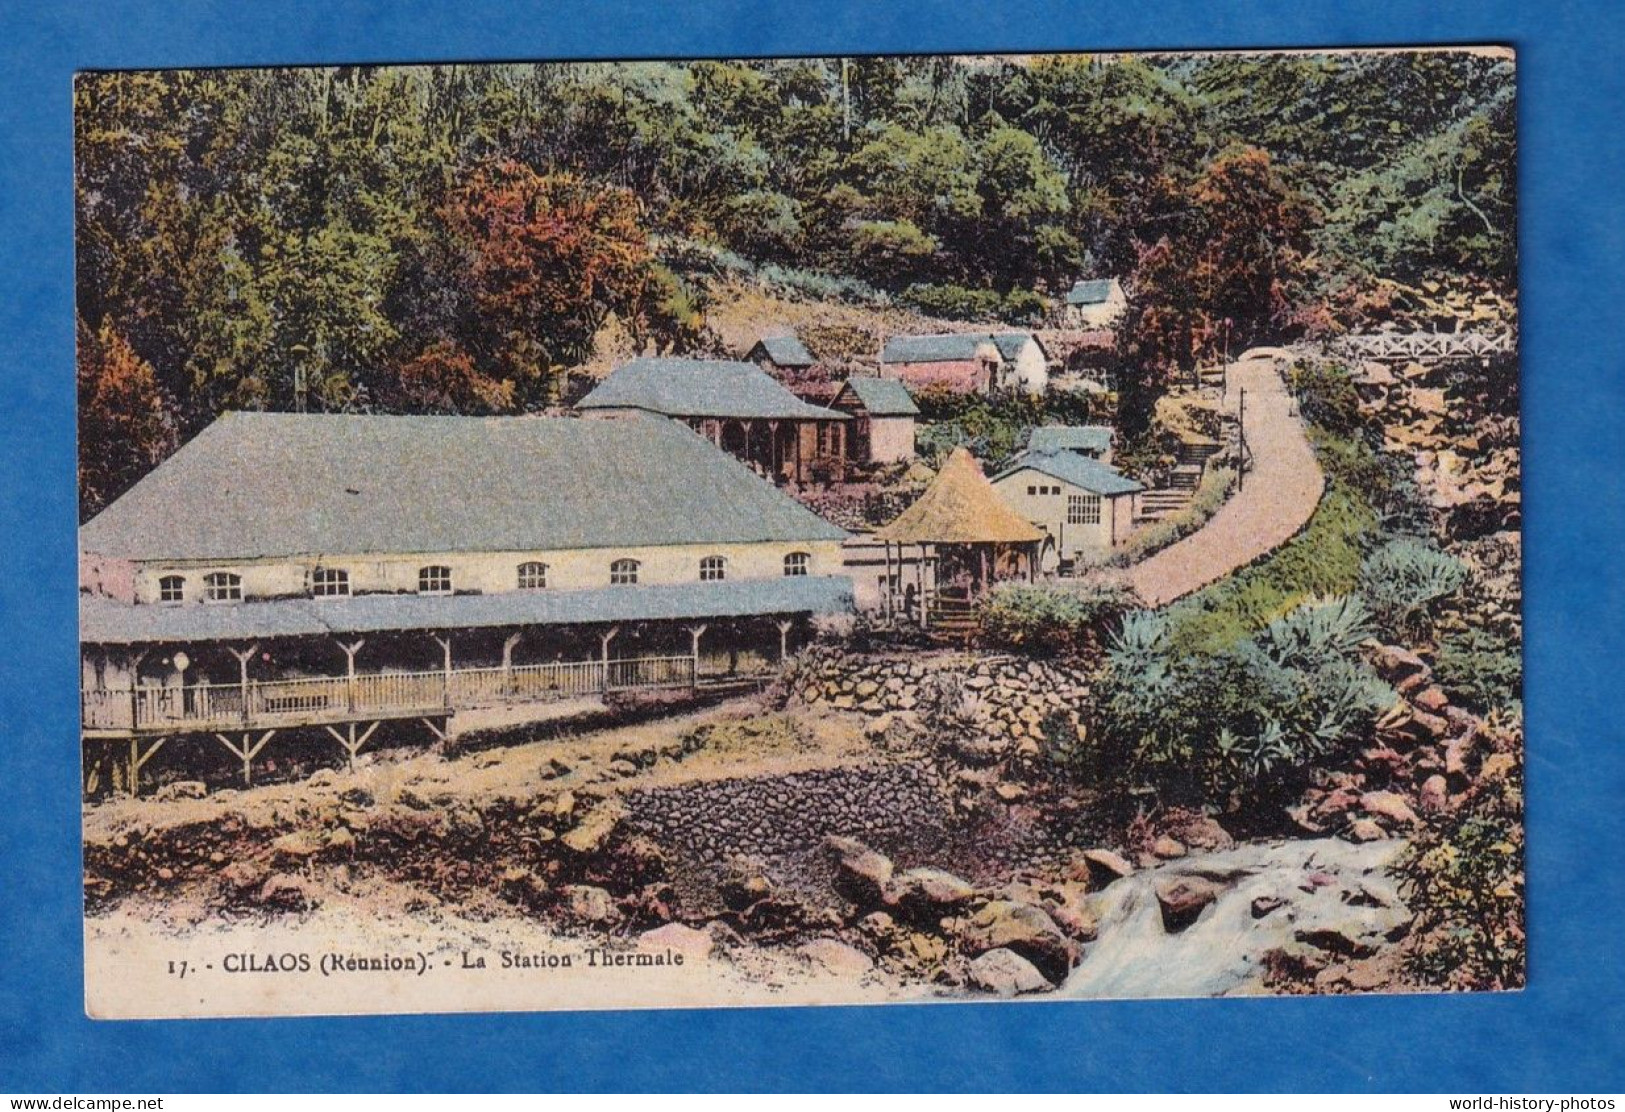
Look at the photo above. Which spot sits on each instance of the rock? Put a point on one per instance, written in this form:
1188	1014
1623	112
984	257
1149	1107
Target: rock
745	884
1390	806
285	893
1394	663
298	845
241	876
1010	793
1497	766
1265	905
1431	699
1021	927
1006	973
1105	866
340	838
876	727
1183	899
926	895
837	957
861	874
521	886
1167	848
923	949
1068	904
1364	830
1434	795
182	789
594	830
564	805
694	945
1204	833
591	904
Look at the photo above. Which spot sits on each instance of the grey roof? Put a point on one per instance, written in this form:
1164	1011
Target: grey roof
882	397
952	346
1071	438
701	388
1070	467
1092	291
786	351
105	622
285	484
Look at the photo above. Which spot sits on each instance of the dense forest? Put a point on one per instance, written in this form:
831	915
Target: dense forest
453	238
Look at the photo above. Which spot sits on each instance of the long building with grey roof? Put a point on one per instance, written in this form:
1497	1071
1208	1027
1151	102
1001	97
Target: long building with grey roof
292	549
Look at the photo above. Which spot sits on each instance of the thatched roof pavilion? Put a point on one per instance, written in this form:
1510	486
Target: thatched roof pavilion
968	525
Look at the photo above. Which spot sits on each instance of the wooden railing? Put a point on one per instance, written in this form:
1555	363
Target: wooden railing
1424	347
386	694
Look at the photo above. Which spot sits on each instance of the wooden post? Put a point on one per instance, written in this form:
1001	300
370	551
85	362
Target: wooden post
352	744
138	759
246	751
919	582
445	648
349	659
785	625
242	673
508	647
603	640
695	632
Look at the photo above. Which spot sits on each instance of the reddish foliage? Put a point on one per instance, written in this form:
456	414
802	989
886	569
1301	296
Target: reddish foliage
125	427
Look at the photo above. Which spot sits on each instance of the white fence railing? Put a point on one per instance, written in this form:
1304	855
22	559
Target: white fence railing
340	698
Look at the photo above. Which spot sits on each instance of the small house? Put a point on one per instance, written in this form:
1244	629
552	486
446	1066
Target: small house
883	416
1084	507
781	355
738	407
1095	303
969	362
1093	441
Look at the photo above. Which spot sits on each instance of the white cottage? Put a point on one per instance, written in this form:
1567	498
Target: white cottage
1095	303
1084	507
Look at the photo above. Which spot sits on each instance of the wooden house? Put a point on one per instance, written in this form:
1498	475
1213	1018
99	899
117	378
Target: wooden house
1096	303
781	356
968	362
292	571
883	415
738	407
1083	506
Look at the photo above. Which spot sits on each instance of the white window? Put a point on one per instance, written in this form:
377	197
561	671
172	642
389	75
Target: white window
1083	509
223	586
796	563
713	568
434	580
329	582
533	576
623	573
172	588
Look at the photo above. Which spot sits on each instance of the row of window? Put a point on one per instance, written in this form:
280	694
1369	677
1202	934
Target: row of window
1043	489
435	579
1083	509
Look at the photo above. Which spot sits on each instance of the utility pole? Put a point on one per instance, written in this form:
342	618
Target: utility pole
1241	442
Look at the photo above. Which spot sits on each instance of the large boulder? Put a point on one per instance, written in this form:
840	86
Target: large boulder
861	874
927	895
1183	899
591	904
1021	927
593	832
1007	973
1105	866
837	957
1390	806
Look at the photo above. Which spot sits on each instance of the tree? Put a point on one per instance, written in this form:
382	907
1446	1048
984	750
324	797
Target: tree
546	259
443	379
125	427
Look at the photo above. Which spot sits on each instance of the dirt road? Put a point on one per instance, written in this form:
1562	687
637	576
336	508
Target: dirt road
1278	494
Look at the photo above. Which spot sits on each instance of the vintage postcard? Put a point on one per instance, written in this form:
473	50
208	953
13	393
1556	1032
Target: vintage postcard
799	531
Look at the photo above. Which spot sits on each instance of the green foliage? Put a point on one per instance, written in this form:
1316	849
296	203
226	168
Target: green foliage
1463	877
1327	397
993	428
1211	493
1050	621
1481	669
1403	579
959	303
1243	726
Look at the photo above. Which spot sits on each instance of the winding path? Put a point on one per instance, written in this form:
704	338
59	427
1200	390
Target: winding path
1278	495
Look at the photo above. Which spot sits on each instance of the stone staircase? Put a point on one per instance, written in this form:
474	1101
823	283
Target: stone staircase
1154	505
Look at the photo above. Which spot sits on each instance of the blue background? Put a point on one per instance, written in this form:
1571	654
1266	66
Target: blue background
1563	1033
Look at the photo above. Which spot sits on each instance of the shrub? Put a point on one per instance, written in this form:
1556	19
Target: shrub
1049	620
1403	579
1244	726
1327	397
1463	877
1480	668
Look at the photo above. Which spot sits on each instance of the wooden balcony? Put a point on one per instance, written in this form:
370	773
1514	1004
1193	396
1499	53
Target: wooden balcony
281	704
